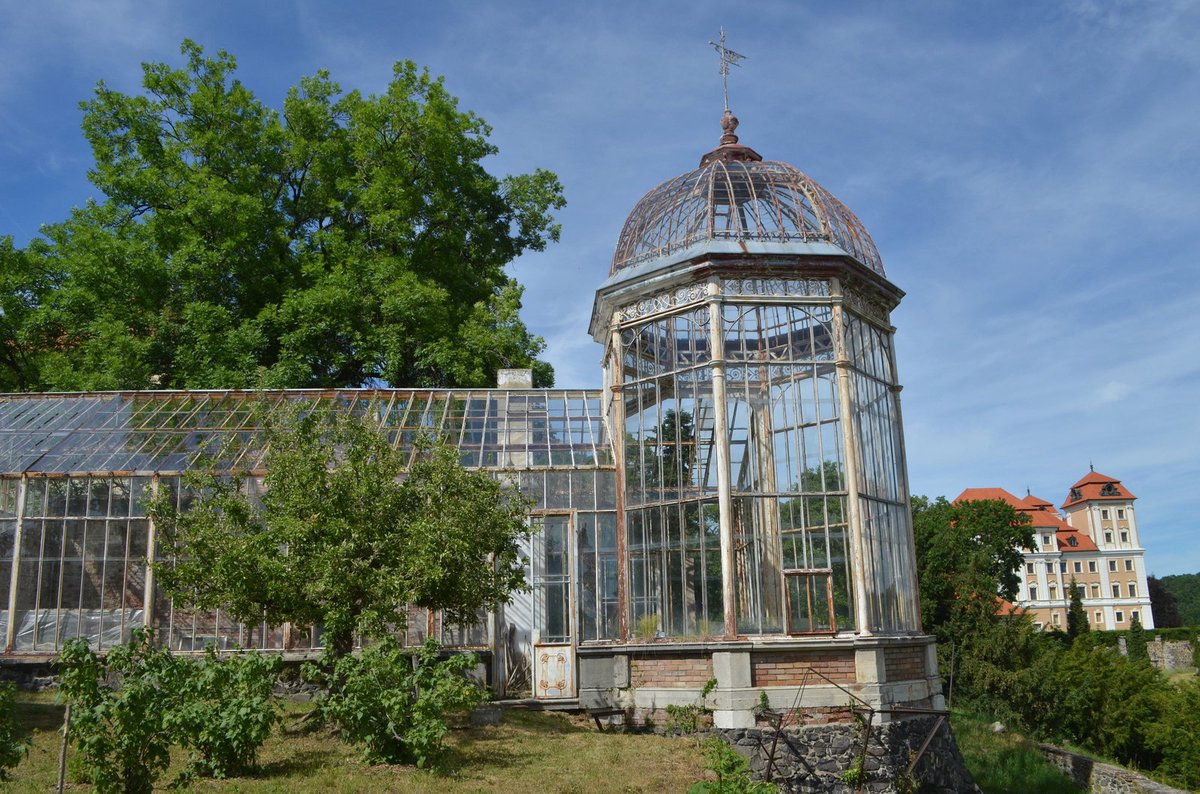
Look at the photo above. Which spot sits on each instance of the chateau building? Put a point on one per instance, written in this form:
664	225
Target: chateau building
1093	542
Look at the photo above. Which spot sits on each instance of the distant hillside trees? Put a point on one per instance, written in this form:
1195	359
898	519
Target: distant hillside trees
1185	589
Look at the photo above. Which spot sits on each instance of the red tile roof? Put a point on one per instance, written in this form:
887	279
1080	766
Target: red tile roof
980	494
1042	516
1004	607
1092	487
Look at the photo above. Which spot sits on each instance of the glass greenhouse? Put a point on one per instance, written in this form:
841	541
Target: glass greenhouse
733	503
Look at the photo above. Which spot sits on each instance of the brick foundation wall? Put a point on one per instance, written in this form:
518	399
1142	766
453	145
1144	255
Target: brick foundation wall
673	670
788	668
904	664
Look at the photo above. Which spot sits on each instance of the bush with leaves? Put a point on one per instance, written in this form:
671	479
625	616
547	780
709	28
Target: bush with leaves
14	743
732	772
1109	702
393	704
222	711
118	711
1174	733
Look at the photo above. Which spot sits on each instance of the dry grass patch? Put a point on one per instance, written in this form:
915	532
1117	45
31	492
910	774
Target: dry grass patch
528	753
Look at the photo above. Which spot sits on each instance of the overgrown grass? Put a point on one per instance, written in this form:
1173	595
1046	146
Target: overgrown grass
528	753
1006	763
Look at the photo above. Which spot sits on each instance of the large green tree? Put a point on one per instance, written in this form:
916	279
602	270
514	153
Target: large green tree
342	240
345	534
968	553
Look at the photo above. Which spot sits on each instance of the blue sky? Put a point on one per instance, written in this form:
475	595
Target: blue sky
1027	169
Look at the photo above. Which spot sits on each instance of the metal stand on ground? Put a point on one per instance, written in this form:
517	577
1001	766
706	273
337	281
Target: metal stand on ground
856	707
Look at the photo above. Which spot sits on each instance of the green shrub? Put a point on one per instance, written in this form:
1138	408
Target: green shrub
686	718
1174	733
394	706
732	771
222	711
14	743
119	729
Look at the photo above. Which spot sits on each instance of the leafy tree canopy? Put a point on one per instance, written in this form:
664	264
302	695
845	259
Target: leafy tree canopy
968	553
1185	588
337	539
1163	605
343	240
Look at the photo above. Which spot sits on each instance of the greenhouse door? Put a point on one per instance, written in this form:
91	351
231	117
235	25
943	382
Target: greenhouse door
553	607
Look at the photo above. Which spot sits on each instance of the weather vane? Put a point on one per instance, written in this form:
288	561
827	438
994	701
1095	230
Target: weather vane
728	58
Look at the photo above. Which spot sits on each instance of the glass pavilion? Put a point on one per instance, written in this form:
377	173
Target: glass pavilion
732	504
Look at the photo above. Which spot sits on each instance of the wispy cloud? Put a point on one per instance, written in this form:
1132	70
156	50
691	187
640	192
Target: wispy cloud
1028	171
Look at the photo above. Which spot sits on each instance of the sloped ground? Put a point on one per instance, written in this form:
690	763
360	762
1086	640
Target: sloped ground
529	752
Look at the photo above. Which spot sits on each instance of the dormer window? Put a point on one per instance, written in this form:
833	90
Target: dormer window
1072	542
1075	494
1109	490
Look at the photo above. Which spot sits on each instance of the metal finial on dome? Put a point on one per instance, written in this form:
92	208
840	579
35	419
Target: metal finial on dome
728	58
729	149
729	123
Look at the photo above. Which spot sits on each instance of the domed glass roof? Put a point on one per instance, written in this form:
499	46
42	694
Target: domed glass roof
740	200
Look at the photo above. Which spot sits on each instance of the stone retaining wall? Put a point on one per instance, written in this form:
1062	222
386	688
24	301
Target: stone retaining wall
1170	655
815	758
1094	776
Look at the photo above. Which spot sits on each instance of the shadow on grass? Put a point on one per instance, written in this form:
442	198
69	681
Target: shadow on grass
36	715
519	741
300	764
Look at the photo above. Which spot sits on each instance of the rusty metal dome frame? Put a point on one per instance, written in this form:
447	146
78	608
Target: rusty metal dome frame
740	200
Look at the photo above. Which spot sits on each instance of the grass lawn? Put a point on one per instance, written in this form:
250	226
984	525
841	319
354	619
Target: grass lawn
528	752
1006	763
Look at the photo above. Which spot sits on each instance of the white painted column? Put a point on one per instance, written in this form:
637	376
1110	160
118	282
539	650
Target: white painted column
151	557
721	440
858	553
10	631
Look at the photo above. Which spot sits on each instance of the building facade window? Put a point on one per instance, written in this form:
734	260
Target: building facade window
1120	616
1062	566
1049	567
1098	617
1112	565
1124	537
1095	590
1108	536
1133	589
1045	541
1129	565
1104	514
1120	513
1078	567
1091	566
1033	592
1116	590
1133	615
1029	567
1054	618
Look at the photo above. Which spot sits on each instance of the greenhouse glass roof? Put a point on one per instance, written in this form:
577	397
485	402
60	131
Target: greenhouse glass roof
169	432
